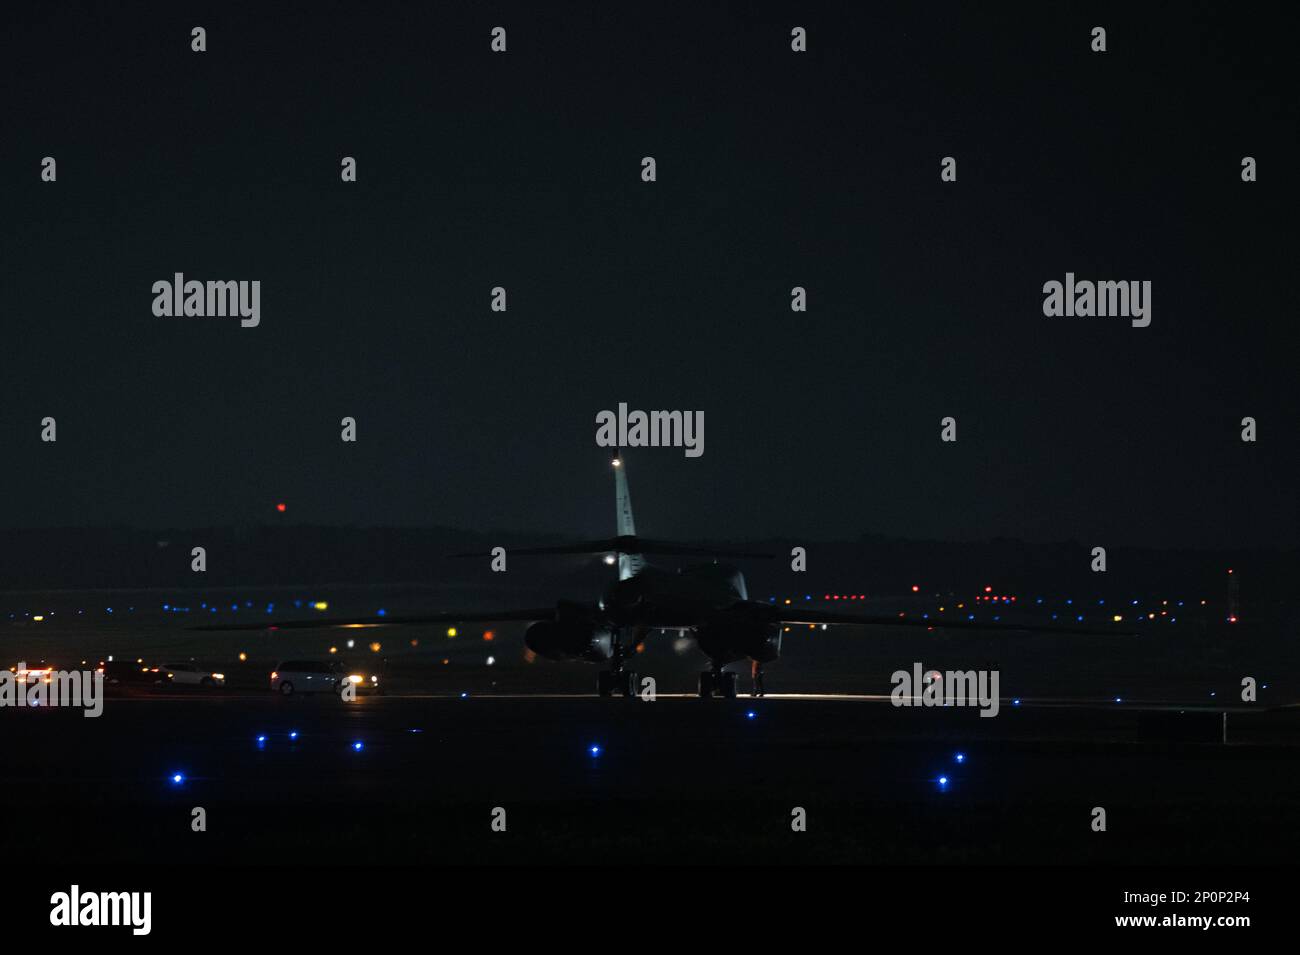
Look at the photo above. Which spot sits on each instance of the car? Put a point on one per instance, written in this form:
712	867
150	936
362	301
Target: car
30	673
134	673
191	674
321	676
43	671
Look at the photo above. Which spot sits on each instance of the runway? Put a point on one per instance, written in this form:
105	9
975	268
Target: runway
1097	723
416	779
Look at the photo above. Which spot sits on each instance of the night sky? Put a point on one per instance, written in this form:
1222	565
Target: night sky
775	169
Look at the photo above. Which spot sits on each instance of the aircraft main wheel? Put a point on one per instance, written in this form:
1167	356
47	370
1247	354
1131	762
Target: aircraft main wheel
727	685
706	685
605	683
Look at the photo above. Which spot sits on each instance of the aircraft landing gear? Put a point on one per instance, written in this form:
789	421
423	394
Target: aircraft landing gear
717	681
616	680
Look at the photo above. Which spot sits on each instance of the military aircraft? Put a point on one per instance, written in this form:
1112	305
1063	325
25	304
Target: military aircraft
710	600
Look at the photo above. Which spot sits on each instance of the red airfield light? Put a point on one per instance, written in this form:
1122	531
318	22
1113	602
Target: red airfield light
916	588
281	508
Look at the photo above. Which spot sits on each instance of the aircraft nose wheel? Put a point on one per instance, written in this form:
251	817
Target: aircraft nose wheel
616	679
720	682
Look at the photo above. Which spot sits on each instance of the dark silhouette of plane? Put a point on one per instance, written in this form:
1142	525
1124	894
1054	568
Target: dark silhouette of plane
710	600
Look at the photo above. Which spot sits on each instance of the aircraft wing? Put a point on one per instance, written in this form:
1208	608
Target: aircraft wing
389	620
793	616
627	544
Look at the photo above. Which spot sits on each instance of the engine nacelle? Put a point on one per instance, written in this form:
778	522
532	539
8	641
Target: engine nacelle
570	640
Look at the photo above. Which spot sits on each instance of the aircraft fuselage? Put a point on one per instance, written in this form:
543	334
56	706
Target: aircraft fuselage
656	597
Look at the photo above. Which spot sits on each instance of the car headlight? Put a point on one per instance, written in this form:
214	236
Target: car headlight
374	679
218	676
354	678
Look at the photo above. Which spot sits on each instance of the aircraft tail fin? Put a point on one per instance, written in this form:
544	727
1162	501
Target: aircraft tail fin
626	544
628	564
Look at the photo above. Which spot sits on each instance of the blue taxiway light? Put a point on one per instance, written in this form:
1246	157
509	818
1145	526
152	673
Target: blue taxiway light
750	715
177	779
594	750
293	734
1015	702
961	757
358	746
464	696
943	780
